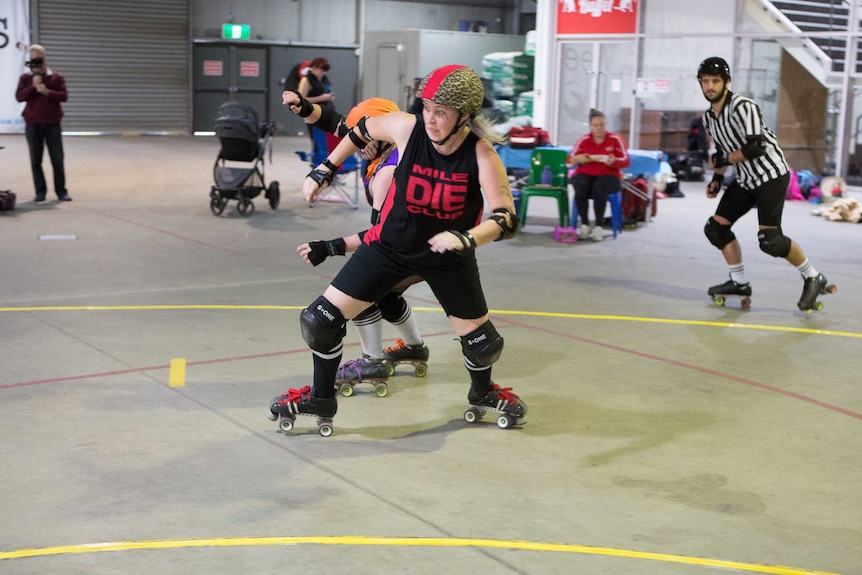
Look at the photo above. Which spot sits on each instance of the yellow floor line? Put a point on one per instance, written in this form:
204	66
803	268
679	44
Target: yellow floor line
404	542
438	310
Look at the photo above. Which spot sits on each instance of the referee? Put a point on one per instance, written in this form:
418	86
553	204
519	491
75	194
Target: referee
741	139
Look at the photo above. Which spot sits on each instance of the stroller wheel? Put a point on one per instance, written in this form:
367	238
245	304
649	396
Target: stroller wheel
217	205
245	207
273	194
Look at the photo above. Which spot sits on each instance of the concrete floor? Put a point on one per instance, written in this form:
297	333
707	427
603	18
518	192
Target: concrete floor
665	435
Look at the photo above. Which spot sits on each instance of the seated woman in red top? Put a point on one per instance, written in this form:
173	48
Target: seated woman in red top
600	156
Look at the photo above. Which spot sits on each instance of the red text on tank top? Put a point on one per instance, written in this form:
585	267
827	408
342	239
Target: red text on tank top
436	193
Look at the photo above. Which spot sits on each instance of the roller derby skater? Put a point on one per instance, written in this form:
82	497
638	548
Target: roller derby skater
742	140
447	148
381	159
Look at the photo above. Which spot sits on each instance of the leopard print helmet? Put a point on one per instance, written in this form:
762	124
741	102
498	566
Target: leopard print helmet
454	86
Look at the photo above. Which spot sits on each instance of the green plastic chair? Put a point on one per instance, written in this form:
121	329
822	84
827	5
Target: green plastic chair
558	188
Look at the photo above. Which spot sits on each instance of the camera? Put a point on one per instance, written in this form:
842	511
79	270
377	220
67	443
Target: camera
34	63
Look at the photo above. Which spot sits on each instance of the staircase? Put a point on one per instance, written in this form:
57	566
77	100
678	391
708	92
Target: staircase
820	16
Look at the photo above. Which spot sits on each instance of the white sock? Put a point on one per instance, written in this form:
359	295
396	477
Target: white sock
807	270
370	332
737	274
408	328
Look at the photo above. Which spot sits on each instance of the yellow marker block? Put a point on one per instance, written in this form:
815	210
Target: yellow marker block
177	377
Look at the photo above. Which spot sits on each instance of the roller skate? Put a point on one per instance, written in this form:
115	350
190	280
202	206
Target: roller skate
300	402
812	288
403	353
730	288
363	369
509	409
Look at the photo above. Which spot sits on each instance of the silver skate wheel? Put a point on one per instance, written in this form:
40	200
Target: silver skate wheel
346	389
505	421
381	389
286	424
272	416
471	415
421	370
324	429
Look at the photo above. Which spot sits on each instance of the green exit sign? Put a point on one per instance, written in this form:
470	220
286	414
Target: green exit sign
236	31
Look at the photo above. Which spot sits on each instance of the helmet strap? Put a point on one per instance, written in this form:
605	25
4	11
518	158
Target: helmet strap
452	133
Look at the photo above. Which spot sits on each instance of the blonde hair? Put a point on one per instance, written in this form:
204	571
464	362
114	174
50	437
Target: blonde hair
483	128
39	48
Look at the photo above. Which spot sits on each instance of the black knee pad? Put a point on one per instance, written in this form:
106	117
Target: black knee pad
483	346
774	242
392	307
323	326
718	234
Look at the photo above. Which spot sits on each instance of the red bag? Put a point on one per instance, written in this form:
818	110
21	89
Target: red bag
634	206
7	201
528	137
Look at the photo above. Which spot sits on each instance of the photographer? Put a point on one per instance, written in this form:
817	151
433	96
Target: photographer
43	90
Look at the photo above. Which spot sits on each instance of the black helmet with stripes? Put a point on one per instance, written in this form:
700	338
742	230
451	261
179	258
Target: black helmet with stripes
714	66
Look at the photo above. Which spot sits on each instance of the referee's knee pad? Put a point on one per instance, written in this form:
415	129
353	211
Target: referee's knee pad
718	235
392	307
323	325
774	242
482	346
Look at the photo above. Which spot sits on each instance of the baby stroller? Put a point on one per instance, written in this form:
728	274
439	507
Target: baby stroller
242	139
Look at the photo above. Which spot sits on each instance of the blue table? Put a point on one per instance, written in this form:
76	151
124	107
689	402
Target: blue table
519	158
643	162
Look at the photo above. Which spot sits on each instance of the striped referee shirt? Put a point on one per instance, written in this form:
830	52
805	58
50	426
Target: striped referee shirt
739	119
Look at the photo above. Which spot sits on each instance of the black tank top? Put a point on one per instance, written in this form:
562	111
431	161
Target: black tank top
432	193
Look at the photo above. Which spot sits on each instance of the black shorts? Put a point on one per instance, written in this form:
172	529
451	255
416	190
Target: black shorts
769	199
372	271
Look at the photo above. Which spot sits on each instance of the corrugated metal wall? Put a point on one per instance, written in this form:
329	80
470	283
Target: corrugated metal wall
126	62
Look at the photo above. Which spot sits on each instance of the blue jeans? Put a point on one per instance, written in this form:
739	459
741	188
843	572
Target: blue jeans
38	137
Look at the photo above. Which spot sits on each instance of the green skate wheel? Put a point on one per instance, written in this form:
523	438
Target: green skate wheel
391	369
472	415
505	421
719	301
381	389
421	370
346	389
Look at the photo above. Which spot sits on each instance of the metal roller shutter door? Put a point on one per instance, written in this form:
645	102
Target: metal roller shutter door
126	62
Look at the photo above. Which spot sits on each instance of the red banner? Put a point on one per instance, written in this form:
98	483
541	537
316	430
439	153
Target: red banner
597	16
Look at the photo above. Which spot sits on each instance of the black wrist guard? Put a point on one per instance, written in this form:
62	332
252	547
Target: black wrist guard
508	223
468	242
719	160
322	250
305	107
322	178
719	178
329	165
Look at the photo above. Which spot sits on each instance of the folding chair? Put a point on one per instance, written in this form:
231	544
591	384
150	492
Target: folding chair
324	144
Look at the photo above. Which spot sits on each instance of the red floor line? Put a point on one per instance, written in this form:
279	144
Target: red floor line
704	370
167	366
166	232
